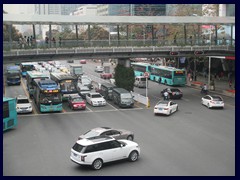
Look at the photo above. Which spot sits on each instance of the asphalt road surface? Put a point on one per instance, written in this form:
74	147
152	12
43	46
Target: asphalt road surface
195	141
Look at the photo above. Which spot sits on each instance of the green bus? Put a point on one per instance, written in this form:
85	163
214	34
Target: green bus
31	76
168	75
9	113
67	83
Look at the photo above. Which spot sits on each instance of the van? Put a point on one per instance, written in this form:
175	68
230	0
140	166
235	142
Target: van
122	97
140	81
106	90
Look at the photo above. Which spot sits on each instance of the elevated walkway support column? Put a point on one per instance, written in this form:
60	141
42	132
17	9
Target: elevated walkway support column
216	37
124	61
118	35
89	38
231	42
76	27
10	35
185	34
34	31
50	35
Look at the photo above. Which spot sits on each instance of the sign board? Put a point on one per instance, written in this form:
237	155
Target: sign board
146	74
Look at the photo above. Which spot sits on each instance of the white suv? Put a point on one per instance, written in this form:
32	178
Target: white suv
101	149
23	104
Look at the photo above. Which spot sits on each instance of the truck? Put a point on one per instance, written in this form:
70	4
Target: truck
76	70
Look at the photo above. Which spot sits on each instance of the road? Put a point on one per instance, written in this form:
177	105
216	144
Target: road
195	141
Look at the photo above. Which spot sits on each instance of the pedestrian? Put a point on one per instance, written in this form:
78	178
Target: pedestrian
223	41
54	41
175	39
20	42
60	42
28	41
230	84
165	95
190	39
31	41
25	42
159	80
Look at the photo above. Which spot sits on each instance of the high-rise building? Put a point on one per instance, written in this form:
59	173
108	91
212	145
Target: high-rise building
137	9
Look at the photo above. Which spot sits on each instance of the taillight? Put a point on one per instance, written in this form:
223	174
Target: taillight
83	158
212	102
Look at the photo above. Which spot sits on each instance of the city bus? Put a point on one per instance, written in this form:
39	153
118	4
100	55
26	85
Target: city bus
31	75
140	68
13	75
9	113
47	95
168	75
67	83
27	66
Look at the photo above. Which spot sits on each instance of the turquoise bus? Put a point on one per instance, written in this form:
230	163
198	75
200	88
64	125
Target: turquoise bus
13	75
9	113
67	83
27	66
47	96
140	68
31	75
168	75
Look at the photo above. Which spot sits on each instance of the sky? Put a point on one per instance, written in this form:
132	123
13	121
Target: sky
18	8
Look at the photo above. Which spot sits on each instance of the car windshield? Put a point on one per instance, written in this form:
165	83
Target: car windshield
91	133
78	99
22	101
96	96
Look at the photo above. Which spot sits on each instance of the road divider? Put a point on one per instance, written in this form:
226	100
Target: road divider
141	99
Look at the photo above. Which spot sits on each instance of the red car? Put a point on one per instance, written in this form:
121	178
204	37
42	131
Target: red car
83	61
106	75
76	102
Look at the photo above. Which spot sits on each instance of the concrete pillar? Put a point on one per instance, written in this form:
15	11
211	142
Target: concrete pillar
185	34
34	31
76	27
118	35
231	43
198	35
50	35
10	35
152	35
89	38
216	37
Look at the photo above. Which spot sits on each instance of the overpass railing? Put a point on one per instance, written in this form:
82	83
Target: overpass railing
40	44
58	51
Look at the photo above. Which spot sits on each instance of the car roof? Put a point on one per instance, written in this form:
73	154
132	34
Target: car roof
94	140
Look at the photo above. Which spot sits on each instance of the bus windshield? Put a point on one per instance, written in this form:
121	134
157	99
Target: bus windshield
46	98
68	86
78	70
126	96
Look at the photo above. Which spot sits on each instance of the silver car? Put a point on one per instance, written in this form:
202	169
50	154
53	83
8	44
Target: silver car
107	131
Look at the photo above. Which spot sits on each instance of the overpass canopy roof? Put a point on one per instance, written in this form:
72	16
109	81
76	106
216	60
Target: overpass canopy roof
112	20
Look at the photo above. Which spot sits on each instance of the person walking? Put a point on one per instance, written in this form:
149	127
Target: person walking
165	95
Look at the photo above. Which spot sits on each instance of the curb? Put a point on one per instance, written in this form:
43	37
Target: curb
224	92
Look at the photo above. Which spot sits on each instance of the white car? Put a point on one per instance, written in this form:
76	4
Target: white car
212	101
165	107
95	99
101	149
99	69
23	104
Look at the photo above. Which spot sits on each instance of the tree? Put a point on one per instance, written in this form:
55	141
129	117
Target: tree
15	34
96	33
124	77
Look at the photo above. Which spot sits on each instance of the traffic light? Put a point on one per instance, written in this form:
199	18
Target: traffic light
174	53
198	52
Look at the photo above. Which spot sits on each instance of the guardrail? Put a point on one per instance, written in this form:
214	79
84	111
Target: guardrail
114	50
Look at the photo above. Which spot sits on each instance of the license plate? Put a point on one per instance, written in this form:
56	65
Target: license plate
159	108
177	93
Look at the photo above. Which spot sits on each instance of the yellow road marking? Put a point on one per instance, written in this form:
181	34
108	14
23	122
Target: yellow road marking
25	90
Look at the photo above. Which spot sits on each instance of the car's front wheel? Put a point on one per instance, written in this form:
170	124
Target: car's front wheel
133	156
130	138
97	164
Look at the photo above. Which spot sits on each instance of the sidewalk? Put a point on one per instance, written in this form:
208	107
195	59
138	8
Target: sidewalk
221	86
